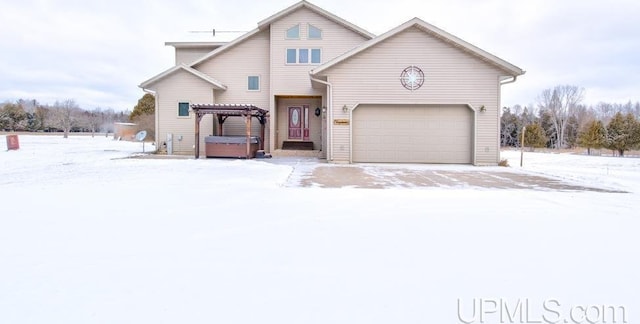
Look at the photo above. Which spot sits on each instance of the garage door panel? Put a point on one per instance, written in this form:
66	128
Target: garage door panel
413	134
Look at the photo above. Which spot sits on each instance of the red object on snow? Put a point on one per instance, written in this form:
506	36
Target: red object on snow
12	142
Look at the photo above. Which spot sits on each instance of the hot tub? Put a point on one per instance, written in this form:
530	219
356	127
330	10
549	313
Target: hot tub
231	146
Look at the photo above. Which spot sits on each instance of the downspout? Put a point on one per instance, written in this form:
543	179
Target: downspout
329	115
157	117
475	135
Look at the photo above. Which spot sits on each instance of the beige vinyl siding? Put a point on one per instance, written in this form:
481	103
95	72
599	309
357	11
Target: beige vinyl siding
232	68
181	87
235	126
452	76
293	79
189	55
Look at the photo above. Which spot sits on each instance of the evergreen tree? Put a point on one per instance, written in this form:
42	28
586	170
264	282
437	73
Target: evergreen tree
594	136
508	128
144	115
549	131
571	134
534	136
4	119
146	106
623	133
14	115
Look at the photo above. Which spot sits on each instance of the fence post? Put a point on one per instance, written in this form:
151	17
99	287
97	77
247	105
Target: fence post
524	129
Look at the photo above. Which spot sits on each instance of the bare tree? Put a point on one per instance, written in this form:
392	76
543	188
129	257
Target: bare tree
604	111
65	115
43	117
147	122
561	102
93	120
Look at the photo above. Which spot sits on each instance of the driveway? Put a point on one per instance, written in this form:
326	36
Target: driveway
314	173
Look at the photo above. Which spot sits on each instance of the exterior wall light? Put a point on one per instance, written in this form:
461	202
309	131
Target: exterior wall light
345	109
482	108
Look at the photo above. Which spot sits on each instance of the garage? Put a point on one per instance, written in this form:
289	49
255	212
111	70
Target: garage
413	134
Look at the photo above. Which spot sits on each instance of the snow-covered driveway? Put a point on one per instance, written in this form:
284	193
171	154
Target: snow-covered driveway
311	173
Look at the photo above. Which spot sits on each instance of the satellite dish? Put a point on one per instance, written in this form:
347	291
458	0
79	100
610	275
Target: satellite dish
141	135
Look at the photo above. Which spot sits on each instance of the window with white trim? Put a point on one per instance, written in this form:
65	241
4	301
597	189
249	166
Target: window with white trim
293	32
253	83
316	56
314	32
304	56
183	109
292	56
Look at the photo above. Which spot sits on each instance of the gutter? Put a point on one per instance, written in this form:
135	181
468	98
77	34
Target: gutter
329	115
510	81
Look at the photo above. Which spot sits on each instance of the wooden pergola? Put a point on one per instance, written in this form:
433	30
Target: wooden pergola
224	111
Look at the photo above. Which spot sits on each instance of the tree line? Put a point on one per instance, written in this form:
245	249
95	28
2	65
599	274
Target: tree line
560	120
63	116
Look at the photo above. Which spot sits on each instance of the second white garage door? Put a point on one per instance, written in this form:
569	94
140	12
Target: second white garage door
412	134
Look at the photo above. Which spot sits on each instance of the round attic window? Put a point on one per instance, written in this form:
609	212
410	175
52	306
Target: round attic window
412	78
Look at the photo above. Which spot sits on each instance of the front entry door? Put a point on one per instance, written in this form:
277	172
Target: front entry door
295	123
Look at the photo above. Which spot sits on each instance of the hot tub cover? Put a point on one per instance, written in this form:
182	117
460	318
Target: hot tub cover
230	139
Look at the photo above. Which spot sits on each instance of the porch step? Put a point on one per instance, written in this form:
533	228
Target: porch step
297	145
297	153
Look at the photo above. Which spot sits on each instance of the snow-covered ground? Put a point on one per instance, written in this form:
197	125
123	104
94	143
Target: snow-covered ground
604	171
90	236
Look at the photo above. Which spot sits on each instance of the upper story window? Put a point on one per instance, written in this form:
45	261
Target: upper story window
314	32
316	55
183	109
253	83
293	32
292	56
304	56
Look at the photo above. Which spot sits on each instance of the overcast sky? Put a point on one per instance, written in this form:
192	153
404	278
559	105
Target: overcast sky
97	52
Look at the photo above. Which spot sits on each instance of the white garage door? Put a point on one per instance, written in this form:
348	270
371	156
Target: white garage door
412	134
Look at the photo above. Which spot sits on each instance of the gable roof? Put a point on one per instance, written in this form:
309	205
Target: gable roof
215	83
264	24
305	4
433	30
226	47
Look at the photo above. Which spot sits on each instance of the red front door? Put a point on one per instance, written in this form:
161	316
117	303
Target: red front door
295	122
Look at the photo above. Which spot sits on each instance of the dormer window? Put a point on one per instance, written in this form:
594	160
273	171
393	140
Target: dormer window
314	32
293	32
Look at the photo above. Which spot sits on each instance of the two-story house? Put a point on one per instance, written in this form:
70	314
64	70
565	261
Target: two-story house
414	94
